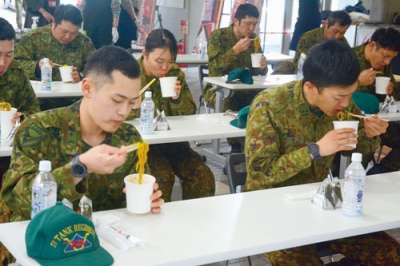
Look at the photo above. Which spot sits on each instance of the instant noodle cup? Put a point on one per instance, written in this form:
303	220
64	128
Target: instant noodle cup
347	124
66	73
138	195
255	60
167	86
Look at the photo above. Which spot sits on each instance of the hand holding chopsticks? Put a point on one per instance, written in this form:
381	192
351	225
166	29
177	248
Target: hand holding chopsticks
147	86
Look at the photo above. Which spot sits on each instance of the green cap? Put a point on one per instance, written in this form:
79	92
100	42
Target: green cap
243	74
60	236
241	120
366	102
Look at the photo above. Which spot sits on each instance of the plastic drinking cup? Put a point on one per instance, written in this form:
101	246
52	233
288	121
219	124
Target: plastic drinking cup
65	72
347	124
381	84
138	195
255	60
167	86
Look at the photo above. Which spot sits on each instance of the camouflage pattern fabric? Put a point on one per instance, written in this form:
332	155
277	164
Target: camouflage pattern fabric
222	60
280	125
56	135
168	160
307	40
391	137
370	249
40	43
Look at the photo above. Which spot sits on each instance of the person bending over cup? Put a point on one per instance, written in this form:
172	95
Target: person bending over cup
167	160
290	140
89	135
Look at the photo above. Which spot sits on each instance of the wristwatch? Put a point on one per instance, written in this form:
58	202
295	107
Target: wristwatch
313	149
78	169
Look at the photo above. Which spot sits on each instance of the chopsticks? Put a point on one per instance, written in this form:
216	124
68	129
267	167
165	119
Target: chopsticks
361	116
57	64
147	86
129	148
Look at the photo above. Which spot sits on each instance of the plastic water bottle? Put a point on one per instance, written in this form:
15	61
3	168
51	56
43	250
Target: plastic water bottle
147	114
300	64
44	189
46	75
202	50
353	187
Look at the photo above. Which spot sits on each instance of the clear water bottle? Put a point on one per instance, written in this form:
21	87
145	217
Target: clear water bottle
353	187
44	189
46	75
300	64
202	50
147	114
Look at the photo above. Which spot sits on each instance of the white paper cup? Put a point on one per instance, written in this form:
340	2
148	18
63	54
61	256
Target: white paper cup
381	84
138	195
65	72
6	125
347	124
167	86
255	60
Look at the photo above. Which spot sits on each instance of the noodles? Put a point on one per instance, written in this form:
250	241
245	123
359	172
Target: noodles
257	44
143	148
5	106
344	116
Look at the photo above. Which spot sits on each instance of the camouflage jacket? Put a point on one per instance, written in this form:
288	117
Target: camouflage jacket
308	40
280	125
364	64
222	59
40	43
55	135
182	106
16	89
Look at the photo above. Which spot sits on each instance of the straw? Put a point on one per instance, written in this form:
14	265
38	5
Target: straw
129	148
147	86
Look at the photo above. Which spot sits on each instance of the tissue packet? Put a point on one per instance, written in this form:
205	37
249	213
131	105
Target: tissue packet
328	195
160	122
85	207
389	105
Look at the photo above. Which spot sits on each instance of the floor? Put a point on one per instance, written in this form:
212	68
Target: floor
220	178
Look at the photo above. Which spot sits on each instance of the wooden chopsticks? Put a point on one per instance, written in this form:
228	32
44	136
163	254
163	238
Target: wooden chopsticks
129	148
147	86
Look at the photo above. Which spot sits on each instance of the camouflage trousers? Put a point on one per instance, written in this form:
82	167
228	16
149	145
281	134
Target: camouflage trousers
167	160
239	100
371	249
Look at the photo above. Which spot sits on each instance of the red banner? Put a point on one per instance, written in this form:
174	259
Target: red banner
146	20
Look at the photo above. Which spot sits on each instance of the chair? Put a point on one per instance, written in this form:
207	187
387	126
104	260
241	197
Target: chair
238	178
203	72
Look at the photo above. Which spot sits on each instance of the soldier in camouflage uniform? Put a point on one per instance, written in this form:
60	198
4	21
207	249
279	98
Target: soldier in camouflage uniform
15	87
230	48
334	28
374	56
62	43
290	140
91	129
168	160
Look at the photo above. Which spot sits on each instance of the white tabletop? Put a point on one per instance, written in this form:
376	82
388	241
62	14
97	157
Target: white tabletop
273	57
184	128
58	90
206	230
390	116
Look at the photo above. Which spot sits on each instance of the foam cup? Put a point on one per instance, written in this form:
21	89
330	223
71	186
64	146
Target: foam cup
138	195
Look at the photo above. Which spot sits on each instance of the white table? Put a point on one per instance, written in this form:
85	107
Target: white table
58	90
226	90
206	230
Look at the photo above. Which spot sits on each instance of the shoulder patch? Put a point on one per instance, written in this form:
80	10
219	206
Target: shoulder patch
31	136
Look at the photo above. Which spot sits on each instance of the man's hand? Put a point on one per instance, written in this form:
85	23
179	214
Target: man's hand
242	45
263	62
177	89
103	159
337	140
374	126
115	34
389	89
367	77
75	75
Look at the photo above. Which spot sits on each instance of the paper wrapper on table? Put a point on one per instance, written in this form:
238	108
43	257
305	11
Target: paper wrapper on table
328	195
6	124
389	105
160	122
86	207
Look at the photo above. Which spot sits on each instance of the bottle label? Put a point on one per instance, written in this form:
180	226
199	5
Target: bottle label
146	121
46	81
352	196
43	198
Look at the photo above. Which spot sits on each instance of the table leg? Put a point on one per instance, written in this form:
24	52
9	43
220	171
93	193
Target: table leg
344	162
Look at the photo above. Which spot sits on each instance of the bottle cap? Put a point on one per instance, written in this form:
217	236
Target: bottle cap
46	60
44	166
147	94
356	157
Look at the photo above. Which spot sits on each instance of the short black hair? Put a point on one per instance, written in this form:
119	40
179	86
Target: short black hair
7	32
332	63
68	13
104	61
388	38
161	38
245	10
341	17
